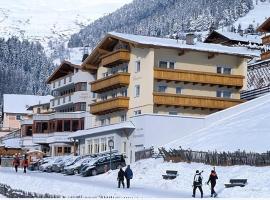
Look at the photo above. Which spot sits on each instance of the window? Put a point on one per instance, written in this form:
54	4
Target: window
59	83
53	84
162	88
18	117
178	90
93	95
58	101
224	94
89	146
137	112
138	66
64	99
70	78
103	122
67	149
166	64
83	106
223	70
69	98
108	120
96	146
137	91
173	113
163	64
38	110
65	80
103	144
59	149
66	125
124	93
123	118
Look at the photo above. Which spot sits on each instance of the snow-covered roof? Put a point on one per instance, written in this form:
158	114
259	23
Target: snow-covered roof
237	37
102	129
18	103
245	127
181	44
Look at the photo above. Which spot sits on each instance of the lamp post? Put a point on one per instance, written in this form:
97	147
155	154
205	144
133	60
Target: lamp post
111	144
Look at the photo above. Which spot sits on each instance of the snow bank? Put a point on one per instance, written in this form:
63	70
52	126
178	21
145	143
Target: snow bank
147	181
245	127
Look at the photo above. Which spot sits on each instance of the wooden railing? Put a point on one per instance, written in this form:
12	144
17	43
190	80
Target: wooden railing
110	105
194	101
198	77
110	82
266	39
265	55
115	57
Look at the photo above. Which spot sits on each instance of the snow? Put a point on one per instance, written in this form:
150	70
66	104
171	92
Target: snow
237	37
147	181
256	16
40	20
245	127
18	103
198	46
12	143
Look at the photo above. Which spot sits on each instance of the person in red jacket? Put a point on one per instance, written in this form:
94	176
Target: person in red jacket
16	162
25	164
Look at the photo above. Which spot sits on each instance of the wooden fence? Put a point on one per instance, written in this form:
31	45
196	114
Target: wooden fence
216	158
143	154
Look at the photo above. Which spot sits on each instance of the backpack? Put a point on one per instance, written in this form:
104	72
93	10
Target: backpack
198	179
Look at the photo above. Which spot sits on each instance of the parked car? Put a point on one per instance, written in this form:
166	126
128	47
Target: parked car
66	160
35	165
102	164
76	167
47	167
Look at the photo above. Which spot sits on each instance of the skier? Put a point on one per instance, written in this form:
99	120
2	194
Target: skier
120	178
25	164
128	175
212	179
16	162
197	183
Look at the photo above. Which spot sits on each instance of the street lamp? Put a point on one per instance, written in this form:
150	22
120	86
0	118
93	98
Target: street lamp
111	144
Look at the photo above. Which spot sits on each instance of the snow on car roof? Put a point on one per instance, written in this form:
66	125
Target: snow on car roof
181	44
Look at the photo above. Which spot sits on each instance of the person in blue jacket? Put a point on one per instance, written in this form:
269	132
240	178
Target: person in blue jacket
128	175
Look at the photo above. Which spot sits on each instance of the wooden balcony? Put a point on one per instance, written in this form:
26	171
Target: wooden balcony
266	39
110	82
194	101
265	55
110	105
115	58
196	77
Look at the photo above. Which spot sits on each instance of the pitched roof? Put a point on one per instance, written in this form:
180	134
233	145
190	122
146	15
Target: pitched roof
62	70
265	26
246	38
138	40
18	103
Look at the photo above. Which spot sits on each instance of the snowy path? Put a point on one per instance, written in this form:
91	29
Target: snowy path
89	186
147	181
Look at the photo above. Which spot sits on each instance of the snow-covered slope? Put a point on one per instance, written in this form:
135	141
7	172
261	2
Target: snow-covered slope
245	127
44	20
256	16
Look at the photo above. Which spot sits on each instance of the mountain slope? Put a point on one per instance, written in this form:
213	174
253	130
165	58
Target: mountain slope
163	17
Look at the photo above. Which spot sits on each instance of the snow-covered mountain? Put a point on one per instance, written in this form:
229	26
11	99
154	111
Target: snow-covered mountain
45	20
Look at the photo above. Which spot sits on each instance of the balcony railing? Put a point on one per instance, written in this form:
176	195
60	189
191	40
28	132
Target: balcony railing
198	77
266	39
194	101
265	55
115	57
110	105
110	82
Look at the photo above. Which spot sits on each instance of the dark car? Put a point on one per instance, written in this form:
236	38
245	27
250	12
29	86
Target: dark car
35	165
102	164
77	166
66	161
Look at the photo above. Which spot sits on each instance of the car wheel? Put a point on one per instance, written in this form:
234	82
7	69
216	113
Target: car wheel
76	171
94	172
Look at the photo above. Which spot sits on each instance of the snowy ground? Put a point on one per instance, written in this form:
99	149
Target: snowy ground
147	181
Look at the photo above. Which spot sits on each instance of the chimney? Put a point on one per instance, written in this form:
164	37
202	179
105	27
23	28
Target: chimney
190	39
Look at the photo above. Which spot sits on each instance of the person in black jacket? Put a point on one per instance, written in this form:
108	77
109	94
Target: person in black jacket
120	178
197	183
212	179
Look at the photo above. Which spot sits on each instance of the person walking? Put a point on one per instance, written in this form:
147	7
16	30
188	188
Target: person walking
25	164
128	175
197	183
120	178
0	160
213	179
16	162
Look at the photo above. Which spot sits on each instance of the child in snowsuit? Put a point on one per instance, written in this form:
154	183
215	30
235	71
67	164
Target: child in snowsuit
197	183
128	175
25	164
120	178
212	179
16	162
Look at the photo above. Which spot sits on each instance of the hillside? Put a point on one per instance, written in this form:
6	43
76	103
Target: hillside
245	127
163	17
